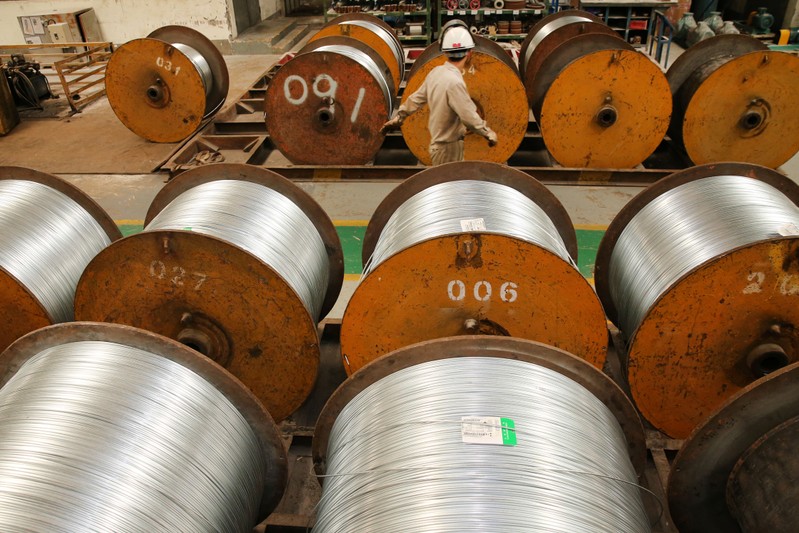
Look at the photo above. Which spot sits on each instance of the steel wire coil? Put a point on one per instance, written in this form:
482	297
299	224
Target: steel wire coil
263	222
101	436
200	63
443	209
685	227
46	240
367	63
388	38
399	456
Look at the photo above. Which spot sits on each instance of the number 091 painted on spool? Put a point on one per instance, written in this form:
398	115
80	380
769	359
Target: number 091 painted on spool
482	291
316	87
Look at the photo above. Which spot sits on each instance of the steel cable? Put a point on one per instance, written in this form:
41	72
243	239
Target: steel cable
99	436
261	221
448	208
200	63
397	460
46	241
686	227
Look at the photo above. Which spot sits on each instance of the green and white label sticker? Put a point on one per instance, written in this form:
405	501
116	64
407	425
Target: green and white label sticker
488	430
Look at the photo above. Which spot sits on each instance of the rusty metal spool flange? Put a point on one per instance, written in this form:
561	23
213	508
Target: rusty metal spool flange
586	99
20	311
156	90
325	108
250	408
493	83
374	33
568	23
759	426
479	346
734	100
505	286
216	297
690	353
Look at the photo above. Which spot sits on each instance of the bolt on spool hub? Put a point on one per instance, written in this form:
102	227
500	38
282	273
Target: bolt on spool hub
735	101
164	86
327	105
216	297
584	85
737	471
20	310
249	407
535	353
718	328
472	282
493	83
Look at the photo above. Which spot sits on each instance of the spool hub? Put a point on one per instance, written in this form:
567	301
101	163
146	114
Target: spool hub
250	408
20	311
477	346
719	327
472	282
325	108
586	90
156	90
215	297
735	101
493	83
737	471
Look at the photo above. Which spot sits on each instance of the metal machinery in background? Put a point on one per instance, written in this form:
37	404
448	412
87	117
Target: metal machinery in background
473	275
597	101
734	100
700	273
326	105
163	87
493	83
206	280
28	85
738	470
41	266
89	408
479	377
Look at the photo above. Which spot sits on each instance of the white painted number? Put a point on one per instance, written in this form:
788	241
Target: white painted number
329	82
159	270
461	290
166	65
482	291
287	90
357	107
788	284
323	86
757	283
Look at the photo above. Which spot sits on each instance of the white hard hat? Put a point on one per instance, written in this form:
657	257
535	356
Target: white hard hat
456	41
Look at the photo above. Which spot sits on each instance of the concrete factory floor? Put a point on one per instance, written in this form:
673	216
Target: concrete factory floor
94	151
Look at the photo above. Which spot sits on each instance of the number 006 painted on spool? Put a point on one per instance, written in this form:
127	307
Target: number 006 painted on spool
327	105
473	276
734	100
493	83
597	101
163	87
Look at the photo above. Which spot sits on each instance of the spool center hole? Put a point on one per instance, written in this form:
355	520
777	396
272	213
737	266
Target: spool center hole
752	120
606	117
154	93
767	358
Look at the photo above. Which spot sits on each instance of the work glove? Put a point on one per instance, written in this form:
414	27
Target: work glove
492	138
392	124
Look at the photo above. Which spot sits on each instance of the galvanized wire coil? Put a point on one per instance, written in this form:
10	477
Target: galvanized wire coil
99	436
46	240
261	221
200	63
547	30
367	63
386	37
443	209
397	460
686	227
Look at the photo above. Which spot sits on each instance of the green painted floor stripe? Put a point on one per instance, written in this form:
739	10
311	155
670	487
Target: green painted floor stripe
352	242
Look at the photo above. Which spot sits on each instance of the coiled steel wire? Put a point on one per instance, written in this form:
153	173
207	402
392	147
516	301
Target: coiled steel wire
261	221
200	63
443	208
46	240
685	227
397	460
367	63
99	436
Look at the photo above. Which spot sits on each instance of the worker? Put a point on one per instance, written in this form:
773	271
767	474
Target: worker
452	110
